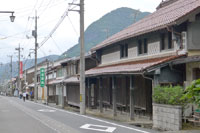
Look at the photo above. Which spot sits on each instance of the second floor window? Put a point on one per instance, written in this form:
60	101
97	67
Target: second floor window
142	46
124	50
60	72
166	41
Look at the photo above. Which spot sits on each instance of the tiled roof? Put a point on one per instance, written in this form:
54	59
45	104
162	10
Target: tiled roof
160	19
129	67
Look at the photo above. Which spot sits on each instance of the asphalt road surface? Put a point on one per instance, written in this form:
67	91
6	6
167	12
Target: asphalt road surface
17	116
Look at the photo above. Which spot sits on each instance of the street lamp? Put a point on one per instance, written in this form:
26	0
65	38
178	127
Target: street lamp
12	17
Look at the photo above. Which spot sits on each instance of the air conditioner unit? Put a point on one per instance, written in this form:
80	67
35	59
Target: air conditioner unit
184	40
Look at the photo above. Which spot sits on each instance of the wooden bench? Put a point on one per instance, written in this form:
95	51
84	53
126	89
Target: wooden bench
139	110
122	107
106	104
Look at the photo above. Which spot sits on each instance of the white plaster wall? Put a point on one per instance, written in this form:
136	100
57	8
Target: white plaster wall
111	54
189	70
132	50
154	47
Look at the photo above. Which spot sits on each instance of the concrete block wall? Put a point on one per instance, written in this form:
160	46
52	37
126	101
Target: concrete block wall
167	117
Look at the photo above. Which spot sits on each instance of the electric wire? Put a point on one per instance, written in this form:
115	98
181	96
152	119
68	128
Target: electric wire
56	26
72	25
56	45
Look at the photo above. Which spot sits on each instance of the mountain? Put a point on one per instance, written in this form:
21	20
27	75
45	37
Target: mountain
5	68
106	26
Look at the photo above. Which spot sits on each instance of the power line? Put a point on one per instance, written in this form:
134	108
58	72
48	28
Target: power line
45	8
72	25
56	45
55	28
43	52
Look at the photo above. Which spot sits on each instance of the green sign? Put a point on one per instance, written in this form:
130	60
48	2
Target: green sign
42	77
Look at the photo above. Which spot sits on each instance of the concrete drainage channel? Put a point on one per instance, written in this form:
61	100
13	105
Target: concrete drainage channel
143	125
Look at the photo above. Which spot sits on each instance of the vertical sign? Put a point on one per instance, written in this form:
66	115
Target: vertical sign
42	77
21	69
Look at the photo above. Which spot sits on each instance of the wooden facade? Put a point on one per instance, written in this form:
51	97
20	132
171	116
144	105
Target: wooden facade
142	93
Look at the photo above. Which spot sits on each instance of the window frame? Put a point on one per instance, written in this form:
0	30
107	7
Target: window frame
142	46
166	41
123	50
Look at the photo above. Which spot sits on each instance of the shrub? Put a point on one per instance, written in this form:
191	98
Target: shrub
168	95
192	93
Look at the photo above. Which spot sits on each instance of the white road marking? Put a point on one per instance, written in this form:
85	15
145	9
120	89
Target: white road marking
46	110
88	117
98	128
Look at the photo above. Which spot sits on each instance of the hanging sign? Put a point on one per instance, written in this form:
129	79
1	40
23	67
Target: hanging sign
42	77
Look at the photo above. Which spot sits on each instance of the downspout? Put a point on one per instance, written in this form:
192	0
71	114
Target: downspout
147	77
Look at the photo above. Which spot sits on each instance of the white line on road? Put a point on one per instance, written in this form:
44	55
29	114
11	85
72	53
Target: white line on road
98	128
88	117
46	110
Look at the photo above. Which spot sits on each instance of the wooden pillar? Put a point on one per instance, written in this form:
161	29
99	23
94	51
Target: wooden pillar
89	94
100	95
62	96
66	99
132	97
56	98
114	91
155	83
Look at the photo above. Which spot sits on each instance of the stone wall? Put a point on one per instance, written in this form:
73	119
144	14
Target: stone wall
167	117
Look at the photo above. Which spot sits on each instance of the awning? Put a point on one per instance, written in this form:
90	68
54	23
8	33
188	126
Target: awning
134	67
73	79
32	85
55	81
188	59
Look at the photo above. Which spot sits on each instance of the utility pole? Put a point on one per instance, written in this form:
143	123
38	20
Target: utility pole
82	57
19	80
36	46
47	83
11	73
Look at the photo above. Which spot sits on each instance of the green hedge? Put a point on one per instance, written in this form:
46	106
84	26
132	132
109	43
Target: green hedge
171	95
192	93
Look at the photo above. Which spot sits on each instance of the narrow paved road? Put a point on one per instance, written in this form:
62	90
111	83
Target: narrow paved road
29	117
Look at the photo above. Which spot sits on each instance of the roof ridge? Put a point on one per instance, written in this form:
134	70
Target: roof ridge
157	20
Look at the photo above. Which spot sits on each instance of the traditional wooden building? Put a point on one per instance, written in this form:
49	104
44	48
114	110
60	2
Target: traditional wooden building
71	81
143	55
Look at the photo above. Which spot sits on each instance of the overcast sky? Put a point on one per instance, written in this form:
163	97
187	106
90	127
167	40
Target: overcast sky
49	12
